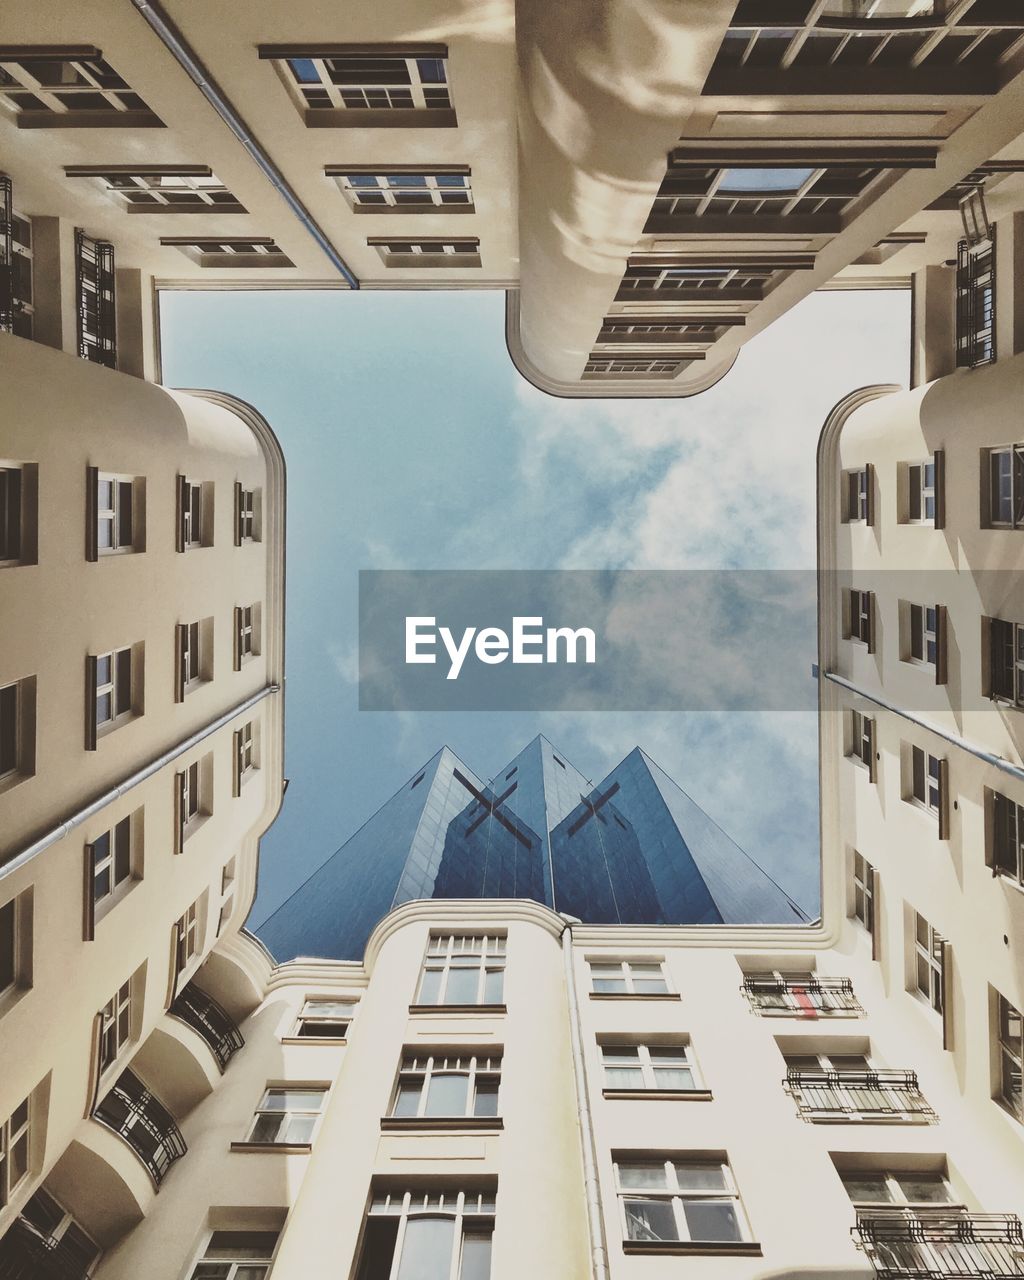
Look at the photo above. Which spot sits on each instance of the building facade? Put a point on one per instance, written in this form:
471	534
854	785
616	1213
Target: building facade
635	849
651	186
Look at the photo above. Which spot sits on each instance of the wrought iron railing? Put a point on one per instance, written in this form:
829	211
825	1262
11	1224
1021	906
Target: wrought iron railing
939	1244
25	1254
144	1122
975	304
94	281
858	1095
204	1014
803	997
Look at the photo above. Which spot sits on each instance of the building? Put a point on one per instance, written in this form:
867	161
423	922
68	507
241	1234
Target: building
635	849
651	186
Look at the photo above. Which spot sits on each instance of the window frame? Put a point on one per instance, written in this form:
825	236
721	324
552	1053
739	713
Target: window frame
682	1059
287	1115
122	487
924	634
897	1197
862	740
15	1132
241	1262
424	1065
121	688
1006	837
116	1026
927	781
1014	453
678	1197
920	492
306	1018
628	977
12	515
861	605
1006	670
864	888
929	964
444	957
471	1211
1009	1053
121	855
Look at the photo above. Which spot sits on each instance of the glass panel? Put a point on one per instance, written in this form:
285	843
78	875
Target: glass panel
623	1078
407	1100
430	987
494	986
784	180
868	1188
642	1175
486	1096
712	1220
446	1095
304	70
650	1220
925	1188
462	984
476	1256
701	1177
293	1100
673	1078
427	1249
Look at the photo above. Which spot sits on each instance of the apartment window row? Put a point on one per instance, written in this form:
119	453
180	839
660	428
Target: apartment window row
153	188
427	251
646	280
227	252
405	189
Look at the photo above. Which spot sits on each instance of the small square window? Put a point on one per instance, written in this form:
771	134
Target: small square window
323	1019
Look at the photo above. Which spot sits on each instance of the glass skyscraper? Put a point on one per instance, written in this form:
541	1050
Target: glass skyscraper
635	849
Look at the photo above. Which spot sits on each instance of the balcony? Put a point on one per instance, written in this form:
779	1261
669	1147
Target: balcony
26	1254
135	1115
806	997
936	1244
975	304
825	1096
205	1016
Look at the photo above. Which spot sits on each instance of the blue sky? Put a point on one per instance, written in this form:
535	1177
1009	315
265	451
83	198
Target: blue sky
412	443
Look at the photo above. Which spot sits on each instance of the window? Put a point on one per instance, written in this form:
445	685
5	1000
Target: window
361	86
783	181
1007	846
659	281
897	1187
864	892
115	1025
190	188
1005	478
16	264
657	364
649	1068
921	490
434	251
115	520
434	1234
222	252
325	1019
1010	1035
110	862
247	513
627	978
15	947
246	762
801	995
927	778
47	1236
861	620
455	1087
247	633
51	88
111	690
10	514
187	935
679	1200
8	945
194	785
405	190
17	731
976	303
1006	661
930	958
463	969
858	495
96	311
850	1087
236	1255
14	1152
188	637
287	1116
923	634
862	740
195	514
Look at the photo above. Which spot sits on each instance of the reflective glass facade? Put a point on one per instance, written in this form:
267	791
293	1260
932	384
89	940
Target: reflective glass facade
635	849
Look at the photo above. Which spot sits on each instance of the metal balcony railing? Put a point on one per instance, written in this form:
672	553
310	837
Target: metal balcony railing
96	312
941	1244
204	1014
25	1254
145	1124
808	998
975	304
858	1095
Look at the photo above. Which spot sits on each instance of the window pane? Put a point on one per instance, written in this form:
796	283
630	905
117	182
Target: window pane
712	1220
642	1175
447	1095
407	1100
673	1078
650	1220
293	1100
623	1078
868	1189
925	1190
486	1096
494	985
461	987
430	987
476	1257
701	1177
427	1249
782	180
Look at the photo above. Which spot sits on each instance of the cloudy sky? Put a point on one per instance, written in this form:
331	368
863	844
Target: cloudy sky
412	443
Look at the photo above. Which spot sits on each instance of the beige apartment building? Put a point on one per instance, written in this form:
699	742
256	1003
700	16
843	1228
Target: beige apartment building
652	184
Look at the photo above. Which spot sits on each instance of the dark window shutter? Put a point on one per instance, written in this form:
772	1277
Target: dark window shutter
89	900
870	469
939	458
179	812
946	960
179	662
237	774
238	513
876	931
238	638
92	489
872	629
872	750
90	702
941	644
180	503
945	800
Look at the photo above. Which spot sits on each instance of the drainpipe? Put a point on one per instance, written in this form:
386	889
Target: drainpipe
201	78
133	780
591	1181
979	753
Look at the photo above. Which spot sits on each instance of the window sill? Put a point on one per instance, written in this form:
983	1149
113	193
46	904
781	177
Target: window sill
431	1124
829	1117
664	1095
104	553
815	1015
710	1248
492	1009
275	1148
12	779
634	995
316	1040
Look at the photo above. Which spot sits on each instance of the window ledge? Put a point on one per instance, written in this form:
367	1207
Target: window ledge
317	1040
493	1009
711	1248
430	1124
818	1015
843	1118
634	995
666	1095
277	1148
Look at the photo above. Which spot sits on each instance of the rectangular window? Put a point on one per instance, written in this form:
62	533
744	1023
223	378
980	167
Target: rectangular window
117	521
8	945
110	862
14	1151
628	978
783	993
246	762
190	188
861	624
907	1188
432	251
195	522
864	892
649	1068
228	253
67	1249
679	1200
10	730
929	963
926	780
325	1019
55	88
96	312
246	515
111	693
454	1087
1010	1050
463	969
862	740
188	940
1005	483
923	637
858	502
16	263
405	190
432	1234
921	492
10	514
236	1255
287	1115
194	786
189	667
1006	661
115	1025
1007	850
360	87
851	1087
